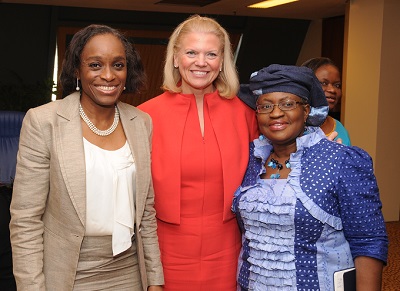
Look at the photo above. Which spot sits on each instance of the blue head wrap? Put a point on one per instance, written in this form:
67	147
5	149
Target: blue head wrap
300	81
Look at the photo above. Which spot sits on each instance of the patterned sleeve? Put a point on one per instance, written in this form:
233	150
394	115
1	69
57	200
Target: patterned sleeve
253	168
360	205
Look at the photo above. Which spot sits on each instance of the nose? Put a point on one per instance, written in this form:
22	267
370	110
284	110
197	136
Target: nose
201	60
107	73
330	88
276	111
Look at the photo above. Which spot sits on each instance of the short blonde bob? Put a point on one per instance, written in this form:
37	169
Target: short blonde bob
227	82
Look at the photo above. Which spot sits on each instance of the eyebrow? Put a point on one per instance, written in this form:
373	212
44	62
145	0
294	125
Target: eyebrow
96	58
284	99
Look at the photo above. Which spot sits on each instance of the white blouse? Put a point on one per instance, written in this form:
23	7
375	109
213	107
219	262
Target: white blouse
110	194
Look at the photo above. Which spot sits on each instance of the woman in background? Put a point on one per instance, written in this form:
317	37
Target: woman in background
82	215
328	75
200	150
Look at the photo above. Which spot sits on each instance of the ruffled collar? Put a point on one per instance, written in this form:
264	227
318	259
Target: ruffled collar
311	136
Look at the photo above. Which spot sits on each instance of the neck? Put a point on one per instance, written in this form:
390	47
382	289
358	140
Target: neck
328	125
274	167
199	93
283	151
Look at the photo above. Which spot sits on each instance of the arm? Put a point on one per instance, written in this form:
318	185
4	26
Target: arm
363	223
368	274
30	192
154	271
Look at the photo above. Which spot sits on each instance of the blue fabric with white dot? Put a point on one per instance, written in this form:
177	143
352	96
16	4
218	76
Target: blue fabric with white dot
297	232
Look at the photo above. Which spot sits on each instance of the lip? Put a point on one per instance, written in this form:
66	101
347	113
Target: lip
330	99
107	89
198	73
277	125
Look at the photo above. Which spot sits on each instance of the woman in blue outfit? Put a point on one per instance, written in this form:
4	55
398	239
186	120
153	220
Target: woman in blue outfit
307	206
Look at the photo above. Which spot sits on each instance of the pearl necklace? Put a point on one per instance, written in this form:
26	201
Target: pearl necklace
94	129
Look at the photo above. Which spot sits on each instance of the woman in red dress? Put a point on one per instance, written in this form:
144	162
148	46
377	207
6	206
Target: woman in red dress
200	150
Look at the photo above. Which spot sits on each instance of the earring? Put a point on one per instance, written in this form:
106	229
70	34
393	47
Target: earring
175	66
220	69
77	85
124	88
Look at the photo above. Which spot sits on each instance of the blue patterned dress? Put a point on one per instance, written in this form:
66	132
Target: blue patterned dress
297	232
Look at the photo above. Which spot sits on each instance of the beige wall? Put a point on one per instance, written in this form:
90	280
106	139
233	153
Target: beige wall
371	76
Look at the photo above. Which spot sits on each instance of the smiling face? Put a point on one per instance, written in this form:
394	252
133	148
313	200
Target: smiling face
103	70
282	127
329	77
199	60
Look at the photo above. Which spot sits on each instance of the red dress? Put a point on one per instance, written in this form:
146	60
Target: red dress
200	249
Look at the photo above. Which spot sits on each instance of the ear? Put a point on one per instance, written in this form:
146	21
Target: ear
176	64
307	110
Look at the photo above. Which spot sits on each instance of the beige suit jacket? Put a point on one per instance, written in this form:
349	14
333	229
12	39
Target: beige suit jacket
48	208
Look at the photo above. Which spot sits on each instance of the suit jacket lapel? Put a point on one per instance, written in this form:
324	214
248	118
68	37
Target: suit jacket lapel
137	137
72	157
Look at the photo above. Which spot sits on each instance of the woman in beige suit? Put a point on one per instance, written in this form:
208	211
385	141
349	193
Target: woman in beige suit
82	215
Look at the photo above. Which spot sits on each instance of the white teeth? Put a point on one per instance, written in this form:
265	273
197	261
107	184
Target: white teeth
106	88
199	73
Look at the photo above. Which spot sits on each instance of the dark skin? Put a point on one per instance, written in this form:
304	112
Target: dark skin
282	128
103	74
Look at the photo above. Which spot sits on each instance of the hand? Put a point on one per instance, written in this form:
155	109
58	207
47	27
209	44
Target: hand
368	273
333	135
155	288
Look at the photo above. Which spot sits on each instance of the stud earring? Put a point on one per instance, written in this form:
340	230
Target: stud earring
77	85
175	66
124	88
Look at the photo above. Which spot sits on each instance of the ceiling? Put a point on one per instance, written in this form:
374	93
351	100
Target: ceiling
302	9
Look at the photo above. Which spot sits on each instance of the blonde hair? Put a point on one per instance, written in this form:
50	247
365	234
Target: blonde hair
227	81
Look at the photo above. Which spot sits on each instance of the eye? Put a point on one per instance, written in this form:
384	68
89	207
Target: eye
323	84
191	54
287	104
338	85
212	56
265	107
119	66
95	66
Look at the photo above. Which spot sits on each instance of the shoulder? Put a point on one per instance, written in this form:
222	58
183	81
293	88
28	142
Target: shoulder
131	112
342	132
339	126
235	102
48	113
339	154
338	123
235	109
156	103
